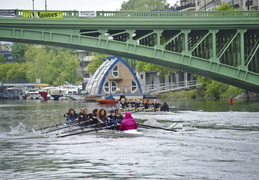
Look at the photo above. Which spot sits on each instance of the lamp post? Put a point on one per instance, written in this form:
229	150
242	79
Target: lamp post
2	89
35	72
45	5
33	5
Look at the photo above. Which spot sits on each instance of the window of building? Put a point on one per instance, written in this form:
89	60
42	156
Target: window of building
106	87
113	86
110	87
115	71
133	86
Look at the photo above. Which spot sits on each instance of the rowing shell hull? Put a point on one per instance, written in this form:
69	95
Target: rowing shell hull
107	101
107	132
129	133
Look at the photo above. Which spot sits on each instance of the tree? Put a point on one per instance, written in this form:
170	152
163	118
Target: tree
16	71
143	66
3	59
4	68
225	7
18	51
52	65
143	5
96	62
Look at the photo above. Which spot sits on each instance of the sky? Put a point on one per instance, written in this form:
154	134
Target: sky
79	5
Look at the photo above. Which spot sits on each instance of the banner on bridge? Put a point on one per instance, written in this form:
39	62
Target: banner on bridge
87	13
7	13
42	15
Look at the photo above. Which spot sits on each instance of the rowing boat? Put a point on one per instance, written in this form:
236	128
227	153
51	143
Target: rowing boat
128	133
105	131
107	101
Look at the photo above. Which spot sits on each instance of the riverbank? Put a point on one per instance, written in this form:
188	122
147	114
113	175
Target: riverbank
194	94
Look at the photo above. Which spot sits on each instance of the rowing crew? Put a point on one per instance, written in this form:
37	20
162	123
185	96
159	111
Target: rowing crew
100	116
145	105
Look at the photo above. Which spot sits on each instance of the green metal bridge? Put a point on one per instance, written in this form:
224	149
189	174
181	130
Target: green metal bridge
221	45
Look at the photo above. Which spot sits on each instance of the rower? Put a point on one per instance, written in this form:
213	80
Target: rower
102	116
146	104
124	104
71	116
165	107
118	117
85	118
138	105
94	116
157	106
110	119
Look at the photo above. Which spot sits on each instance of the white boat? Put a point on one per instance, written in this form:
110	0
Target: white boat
76	130
128	133
33	94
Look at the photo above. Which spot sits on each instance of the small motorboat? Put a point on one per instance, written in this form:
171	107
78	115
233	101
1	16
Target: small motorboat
107	101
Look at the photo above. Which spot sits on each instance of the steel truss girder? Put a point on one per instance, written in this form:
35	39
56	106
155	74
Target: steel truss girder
152	51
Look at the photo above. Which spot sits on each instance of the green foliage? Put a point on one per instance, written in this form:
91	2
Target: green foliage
192	94
143	5
18	51
215	89
143	66
96	62
16	71
52	65
3	59
226	7
4	68
232	91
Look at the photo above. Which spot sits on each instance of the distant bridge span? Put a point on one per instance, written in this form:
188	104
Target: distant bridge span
220	45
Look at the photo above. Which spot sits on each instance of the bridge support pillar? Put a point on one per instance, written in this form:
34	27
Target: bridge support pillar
167	83
176	75
156	82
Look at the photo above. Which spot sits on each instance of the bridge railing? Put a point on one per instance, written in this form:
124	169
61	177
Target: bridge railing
167	87
158	14
177	14
66	14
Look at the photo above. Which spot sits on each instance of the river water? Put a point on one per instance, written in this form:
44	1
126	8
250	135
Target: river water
213	143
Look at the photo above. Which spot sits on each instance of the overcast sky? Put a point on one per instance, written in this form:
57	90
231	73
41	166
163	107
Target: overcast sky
80	5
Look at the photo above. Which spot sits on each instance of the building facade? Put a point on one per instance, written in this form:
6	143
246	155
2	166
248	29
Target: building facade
211	5
114	76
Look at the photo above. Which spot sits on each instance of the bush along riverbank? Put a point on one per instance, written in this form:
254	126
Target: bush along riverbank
202	93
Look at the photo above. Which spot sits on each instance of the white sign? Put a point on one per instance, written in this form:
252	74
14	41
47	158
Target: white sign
87	13
38	81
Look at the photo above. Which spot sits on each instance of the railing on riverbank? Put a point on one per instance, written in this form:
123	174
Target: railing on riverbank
170	87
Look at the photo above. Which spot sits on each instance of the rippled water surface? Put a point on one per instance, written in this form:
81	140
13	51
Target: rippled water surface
211	145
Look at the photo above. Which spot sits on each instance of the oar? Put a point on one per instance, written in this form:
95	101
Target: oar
69	125
82	128
56	125
96	129
155	127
